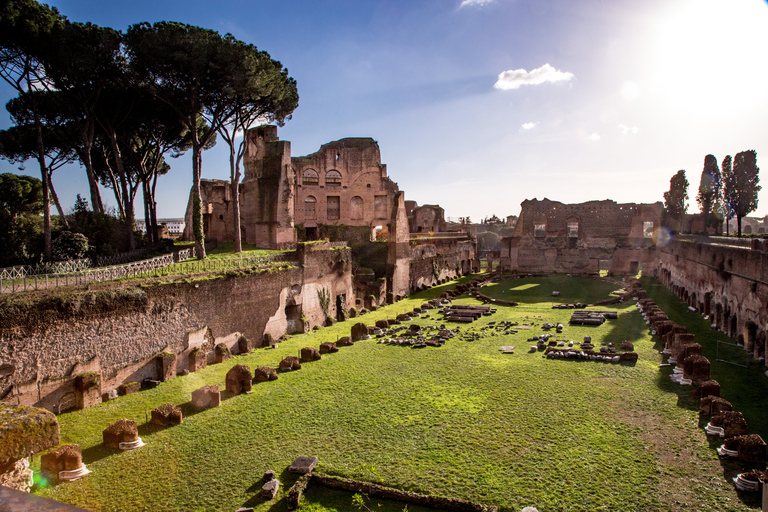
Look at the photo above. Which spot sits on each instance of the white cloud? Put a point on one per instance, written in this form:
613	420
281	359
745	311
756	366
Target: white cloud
466	3
595	137
529	126
514	78
627	130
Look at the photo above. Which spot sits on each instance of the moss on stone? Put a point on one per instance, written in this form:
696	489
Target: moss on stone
25	429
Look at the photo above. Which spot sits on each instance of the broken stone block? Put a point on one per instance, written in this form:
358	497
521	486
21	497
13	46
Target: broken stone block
122	435
707	388
268	475
328	348
23	430
127	388
63	463
243	345
270	488
221	353
714	405
310	354
88	390
750	448
359	331
206	396
303	465
166	415
197	359
16	475
166	366
627	345
344	342
290	363
238	379
264	373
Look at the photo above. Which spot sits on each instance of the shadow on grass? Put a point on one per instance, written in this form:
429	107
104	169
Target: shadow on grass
96	453
286	478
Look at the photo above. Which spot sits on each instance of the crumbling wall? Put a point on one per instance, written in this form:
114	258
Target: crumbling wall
550	236
398	259
119	333
728	284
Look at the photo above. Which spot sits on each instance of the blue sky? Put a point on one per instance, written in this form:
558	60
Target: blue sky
478	105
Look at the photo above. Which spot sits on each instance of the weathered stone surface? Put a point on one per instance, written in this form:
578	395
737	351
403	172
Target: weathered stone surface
303	465
328	347
221	353
239	379
359	331
121	431
270	488
206	396
310	354
197	359
128	388
264	373
290	363
166	366
268	475
344	342
166	414
65	458
25	429
16	475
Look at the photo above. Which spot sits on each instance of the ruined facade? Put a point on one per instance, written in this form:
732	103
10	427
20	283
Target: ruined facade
427	218
551	236
132	335
729	284
344	183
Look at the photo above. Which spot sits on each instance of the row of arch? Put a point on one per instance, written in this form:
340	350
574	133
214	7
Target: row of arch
311	177
333	207
724	313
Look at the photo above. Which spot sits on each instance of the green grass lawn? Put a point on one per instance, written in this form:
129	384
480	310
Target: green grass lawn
463	420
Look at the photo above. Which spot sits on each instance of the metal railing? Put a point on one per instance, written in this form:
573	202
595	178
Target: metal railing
168	264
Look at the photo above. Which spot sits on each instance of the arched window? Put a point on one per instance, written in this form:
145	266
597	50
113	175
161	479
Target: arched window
356	208
309	208
310	177
333	179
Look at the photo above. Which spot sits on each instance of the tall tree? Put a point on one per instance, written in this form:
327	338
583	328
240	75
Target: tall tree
675	199
195	71
19	144
84	60
26	39
743	185
709	189
21	202
728	184
262	92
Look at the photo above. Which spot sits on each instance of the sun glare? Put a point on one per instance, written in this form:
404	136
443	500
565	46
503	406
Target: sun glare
708	56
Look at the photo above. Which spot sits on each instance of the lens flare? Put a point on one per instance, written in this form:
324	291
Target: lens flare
662	236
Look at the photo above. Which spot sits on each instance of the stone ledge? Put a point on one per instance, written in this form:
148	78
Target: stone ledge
25	429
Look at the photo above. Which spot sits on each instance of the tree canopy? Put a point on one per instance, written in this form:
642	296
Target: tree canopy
200	73
709	188
675	199
741	185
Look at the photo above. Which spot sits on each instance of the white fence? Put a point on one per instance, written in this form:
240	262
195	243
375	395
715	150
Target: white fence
158	266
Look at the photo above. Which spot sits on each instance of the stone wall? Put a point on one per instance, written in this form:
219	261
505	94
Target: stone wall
582	238
729	284
44	345
342	184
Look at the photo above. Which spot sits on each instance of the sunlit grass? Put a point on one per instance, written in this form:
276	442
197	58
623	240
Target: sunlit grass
463	420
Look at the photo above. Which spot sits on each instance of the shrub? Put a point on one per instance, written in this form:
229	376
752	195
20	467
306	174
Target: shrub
70	246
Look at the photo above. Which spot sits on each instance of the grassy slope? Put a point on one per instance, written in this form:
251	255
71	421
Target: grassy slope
462	420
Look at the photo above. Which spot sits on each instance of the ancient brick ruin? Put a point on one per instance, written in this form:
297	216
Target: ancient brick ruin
344	183
582	238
